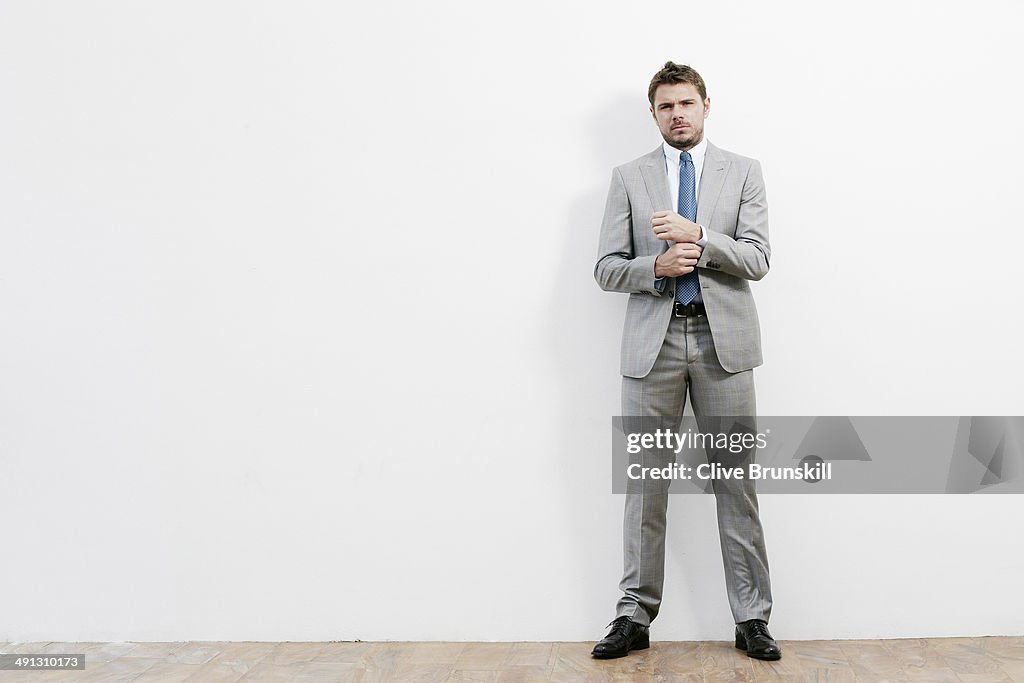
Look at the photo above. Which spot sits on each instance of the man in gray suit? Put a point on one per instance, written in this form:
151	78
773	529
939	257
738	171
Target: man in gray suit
685	230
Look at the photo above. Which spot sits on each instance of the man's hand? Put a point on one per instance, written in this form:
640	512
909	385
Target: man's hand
680	259
669	225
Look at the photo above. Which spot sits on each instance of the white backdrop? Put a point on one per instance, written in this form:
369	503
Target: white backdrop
299	338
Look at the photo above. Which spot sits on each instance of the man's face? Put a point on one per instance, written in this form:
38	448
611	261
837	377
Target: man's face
680	113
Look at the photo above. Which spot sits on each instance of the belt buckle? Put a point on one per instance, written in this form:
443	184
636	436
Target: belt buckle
685	310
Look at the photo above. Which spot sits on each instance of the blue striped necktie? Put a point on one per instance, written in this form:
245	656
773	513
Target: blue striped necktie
687	286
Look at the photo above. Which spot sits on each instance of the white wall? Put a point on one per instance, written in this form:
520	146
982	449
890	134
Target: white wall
300	338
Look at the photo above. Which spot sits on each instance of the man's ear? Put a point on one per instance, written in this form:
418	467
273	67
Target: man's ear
707	106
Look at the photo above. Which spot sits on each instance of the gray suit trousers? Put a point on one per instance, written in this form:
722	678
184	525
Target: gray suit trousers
687	363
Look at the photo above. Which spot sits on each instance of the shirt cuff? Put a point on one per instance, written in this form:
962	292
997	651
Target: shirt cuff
703	237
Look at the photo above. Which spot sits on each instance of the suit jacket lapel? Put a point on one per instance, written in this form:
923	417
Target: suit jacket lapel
652	168
656	180
712	178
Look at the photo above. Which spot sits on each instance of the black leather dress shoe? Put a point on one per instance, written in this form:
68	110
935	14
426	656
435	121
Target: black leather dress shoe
624	635
753	637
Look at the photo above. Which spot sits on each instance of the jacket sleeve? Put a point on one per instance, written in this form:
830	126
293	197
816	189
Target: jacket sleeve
746	255
618	268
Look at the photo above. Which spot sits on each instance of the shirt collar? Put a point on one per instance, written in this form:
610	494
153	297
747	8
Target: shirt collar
696	153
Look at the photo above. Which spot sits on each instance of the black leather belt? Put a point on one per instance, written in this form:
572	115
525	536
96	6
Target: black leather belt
688	310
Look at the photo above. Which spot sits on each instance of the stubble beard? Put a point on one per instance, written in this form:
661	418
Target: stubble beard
690	138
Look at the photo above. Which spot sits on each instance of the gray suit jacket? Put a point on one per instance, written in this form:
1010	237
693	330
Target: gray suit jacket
734	212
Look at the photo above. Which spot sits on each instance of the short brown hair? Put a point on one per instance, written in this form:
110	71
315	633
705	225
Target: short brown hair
676	73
